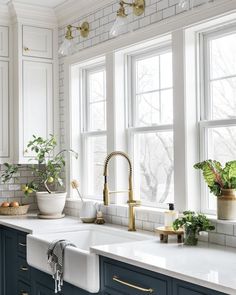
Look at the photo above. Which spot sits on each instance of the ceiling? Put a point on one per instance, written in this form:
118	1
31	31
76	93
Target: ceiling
45	3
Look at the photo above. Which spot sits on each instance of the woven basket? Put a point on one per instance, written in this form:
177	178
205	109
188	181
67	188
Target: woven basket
21	210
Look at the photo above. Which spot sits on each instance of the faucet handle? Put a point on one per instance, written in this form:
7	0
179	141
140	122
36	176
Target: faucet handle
134	203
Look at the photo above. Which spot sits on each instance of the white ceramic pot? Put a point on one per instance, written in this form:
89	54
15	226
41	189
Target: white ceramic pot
51	204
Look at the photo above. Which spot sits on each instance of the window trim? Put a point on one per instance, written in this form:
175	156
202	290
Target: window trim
202	18
205	121
132	128
84	113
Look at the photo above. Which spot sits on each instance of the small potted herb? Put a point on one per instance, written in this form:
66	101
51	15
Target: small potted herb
193	223
222	183
47	175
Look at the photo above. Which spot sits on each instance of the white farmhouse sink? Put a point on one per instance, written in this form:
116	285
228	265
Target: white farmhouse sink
81	266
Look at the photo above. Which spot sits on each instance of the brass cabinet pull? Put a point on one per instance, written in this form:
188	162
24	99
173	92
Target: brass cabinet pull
116	279
22	245
26	49
23	293
24	268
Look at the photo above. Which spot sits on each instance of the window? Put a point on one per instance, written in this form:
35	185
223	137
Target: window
151	125
218	107
94	128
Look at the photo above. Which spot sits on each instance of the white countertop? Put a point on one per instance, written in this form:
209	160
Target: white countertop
207	265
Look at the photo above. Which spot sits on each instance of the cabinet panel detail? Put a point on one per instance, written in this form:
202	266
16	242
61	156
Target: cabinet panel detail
4	110
37	42
4	41
37	101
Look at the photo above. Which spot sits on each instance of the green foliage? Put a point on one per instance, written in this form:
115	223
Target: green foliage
195	222
217	177
9	172
48	168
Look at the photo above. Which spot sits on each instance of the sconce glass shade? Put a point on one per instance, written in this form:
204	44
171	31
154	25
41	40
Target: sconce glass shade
67	47
120	26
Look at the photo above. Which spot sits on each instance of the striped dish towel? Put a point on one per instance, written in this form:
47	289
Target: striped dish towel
55	255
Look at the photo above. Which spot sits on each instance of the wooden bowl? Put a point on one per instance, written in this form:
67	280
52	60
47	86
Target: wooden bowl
21	210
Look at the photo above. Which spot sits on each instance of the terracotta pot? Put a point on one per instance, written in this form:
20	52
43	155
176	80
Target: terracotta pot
226	205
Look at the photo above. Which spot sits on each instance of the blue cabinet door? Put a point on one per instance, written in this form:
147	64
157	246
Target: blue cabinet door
43	284
119	278
184	288
9	262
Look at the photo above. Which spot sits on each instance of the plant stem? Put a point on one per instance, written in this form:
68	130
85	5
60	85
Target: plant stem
46	186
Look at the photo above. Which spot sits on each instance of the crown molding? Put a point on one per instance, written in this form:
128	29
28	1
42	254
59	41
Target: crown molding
74	9
25	13
4	14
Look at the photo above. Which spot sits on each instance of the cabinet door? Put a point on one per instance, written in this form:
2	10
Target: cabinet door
37	42
4	110
4	43
184	288
37	101
42	283
9	265
119	278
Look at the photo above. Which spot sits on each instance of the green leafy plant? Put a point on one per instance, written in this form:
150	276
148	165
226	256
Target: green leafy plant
48	169
218	177
193	223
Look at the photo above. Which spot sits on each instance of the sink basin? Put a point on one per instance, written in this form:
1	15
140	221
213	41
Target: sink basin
81	266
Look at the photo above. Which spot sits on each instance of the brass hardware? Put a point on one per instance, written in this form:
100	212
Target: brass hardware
137	5
149	290
26	49
23	293
84	30
22	245
131	202
24	268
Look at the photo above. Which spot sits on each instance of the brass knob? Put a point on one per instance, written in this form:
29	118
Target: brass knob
26	49
23	293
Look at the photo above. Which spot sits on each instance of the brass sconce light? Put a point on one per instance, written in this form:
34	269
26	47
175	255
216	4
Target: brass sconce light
121	23
67	47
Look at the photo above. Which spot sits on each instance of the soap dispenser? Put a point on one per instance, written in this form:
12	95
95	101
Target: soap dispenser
170	216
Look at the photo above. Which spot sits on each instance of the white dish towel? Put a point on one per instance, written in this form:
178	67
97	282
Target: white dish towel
55	255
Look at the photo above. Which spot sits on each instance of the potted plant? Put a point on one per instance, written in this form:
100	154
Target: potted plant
222	183
47	169
192	223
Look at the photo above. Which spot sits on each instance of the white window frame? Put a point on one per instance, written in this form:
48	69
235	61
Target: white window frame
205	103
132	130
182	30
86	134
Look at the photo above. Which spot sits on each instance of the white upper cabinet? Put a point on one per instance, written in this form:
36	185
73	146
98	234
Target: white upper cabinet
4	110
37	42
4	41
37	101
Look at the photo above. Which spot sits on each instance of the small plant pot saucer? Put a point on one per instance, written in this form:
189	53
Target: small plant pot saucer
56	216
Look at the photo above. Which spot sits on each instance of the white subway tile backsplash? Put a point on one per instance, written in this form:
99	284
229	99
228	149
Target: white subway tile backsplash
230	241
224	228
168	12
217	239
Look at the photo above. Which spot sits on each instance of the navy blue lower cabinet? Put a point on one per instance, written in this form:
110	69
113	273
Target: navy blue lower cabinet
120	278
43	284
184	288
9	261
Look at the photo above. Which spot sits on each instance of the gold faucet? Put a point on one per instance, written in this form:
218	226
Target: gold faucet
131	202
